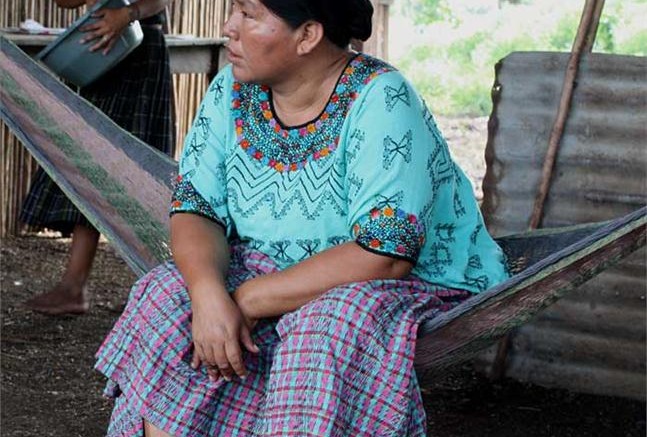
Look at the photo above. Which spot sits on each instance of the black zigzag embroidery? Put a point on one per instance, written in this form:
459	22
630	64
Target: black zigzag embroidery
394	149
393	97
308	190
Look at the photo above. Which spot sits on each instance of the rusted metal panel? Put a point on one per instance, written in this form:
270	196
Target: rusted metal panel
594	339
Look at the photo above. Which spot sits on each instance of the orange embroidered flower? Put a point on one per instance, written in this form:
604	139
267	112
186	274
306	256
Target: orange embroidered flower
239	130
388	211
237	86
267	115
244	144
279	166
375	243
311	127
176	204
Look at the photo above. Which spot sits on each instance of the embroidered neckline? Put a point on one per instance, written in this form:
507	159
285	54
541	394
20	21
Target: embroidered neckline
345	71
264	139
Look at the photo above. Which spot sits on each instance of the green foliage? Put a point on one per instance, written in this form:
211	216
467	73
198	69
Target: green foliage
604	39
428	11
459	42
562	36
635	45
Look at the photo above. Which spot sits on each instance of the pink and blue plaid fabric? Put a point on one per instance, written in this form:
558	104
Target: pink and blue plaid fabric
342	365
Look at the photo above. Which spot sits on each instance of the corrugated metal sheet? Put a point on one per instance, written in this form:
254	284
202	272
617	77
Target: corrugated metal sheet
594	339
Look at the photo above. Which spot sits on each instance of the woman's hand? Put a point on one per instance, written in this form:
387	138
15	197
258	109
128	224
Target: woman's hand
106	30
241	297
219	328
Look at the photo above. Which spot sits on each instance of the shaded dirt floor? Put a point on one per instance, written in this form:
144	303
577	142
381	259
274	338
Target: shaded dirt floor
50	389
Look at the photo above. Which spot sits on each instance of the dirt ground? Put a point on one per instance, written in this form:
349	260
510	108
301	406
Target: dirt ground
48	387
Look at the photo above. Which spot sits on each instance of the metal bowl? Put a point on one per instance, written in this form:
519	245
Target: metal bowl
73	61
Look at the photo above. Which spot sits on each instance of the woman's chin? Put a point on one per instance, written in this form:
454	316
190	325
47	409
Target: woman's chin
240	74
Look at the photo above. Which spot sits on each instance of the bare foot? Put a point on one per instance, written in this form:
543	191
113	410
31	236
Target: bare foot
60	300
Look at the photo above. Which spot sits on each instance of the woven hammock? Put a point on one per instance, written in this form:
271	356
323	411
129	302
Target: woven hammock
123	187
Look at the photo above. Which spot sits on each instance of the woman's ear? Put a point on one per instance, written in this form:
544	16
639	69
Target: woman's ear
310	35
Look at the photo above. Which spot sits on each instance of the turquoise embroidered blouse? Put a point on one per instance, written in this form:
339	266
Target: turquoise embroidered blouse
373	168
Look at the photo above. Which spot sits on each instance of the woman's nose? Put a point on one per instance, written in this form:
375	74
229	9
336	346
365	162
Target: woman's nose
229	29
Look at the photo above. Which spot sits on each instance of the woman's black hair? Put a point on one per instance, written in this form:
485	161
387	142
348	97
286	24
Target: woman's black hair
341	19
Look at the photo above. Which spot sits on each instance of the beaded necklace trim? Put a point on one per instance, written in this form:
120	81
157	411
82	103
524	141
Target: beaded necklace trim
284	149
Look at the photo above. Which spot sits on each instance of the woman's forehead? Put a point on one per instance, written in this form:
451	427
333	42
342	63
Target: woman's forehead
248	3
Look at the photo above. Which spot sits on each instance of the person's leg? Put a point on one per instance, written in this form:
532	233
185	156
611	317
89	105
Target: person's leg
151	430
69	296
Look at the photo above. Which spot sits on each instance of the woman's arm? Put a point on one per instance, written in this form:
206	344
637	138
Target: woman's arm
201	253
70	4
111	22
146	8
278	293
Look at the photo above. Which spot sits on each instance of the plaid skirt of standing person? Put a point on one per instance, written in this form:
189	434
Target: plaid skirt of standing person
341	365
137	95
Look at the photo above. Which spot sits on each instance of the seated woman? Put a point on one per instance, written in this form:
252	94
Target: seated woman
317	219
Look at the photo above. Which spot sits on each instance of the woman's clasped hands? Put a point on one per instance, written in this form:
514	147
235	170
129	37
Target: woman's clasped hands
220	329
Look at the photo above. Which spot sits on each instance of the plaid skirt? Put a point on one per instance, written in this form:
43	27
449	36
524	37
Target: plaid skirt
340	365
137	95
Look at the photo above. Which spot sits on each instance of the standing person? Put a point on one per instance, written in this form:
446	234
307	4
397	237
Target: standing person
136	94
318	218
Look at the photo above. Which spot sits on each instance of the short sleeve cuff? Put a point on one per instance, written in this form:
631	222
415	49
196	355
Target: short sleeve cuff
187	199
391	232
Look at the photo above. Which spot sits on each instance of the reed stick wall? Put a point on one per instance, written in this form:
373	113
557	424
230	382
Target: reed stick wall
200	18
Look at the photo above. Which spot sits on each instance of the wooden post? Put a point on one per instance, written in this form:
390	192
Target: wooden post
584	38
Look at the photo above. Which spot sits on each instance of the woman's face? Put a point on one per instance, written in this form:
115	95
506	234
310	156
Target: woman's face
261	46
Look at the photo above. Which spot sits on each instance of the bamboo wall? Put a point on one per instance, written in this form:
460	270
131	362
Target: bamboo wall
200	18
17	165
